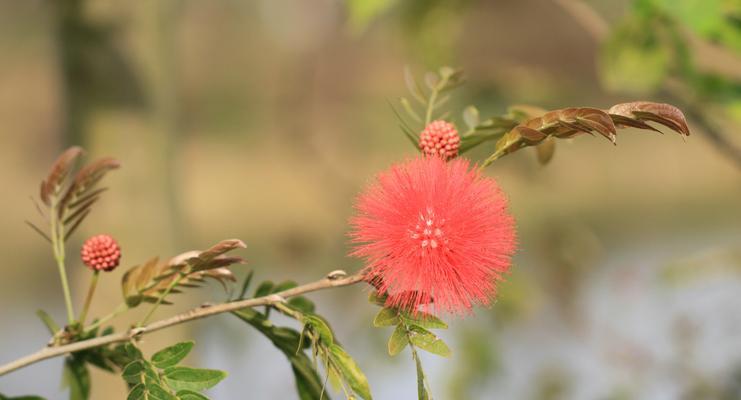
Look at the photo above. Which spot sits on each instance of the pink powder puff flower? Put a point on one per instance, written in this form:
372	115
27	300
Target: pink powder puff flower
434	232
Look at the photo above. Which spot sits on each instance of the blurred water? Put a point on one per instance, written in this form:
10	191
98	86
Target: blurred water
637	332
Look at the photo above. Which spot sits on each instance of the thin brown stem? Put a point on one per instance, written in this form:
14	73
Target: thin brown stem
331	281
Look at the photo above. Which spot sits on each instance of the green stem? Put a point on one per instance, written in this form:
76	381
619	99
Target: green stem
424	389
430	106
122	308
89	298
161	298
57	243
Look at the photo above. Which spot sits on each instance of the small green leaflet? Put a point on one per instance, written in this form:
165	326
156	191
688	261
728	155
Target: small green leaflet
428	341
162	379
398	340
77	378
350	371
424	320
180	378
190	395
386	317
172	355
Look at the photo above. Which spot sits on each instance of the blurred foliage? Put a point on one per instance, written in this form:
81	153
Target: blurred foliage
478	362
96	71
432	28
651	45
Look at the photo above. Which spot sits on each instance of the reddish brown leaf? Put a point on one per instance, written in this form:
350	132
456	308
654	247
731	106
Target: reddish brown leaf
570	122
58	172
85	181
149	281
545	150
664	114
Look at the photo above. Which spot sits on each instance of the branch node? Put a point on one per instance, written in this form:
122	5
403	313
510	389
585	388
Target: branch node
336	274
276	298
135	333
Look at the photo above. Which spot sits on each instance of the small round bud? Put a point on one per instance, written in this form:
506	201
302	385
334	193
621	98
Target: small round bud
440	138
101	253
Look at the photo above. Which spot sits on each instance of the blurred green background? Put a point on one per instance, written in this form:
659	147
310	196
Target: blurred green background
261	119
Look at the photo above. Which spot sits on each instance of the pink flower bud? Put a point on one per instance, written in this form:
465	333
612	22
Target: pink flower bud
101	253
440	138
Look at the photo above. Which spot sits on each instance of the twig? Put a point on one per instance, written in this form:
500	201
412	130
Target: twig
193	314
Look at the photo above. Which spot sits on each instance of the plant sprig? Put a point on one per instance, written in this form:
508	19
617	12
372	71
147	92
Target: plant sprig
68	202
411	330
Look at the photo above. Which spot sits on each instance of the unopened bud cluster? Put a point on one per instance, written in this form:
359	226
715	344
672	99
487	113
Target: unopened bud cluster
101	253
440	138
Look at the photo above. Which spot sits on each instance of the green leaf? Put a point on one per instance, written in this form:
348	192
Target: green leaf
133	300
424	320
428	341
180	378
284	286
471	117
264	289
150	375
2	397
190	395
172	355
246	284
308	383
386	317
302	304
321	328
132	351
157	392
48	322
413	86
136	392
77	378
132	371
350	371
377	299
410	110
398	340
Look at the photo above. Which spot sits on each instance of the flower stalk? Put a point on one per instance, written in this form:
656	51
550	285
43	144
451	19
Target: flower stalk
89	297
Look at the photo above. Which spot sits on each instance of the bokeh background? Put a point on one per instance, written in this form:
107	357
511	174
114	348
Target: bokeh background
261	119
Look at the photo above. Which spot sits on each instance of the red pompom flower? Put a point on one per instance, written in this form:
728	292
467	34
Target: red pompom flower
101	253
434	232
440	138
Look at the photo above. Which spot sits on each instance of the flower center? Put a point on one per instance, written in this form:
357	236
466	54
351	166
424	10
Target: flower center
428	230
